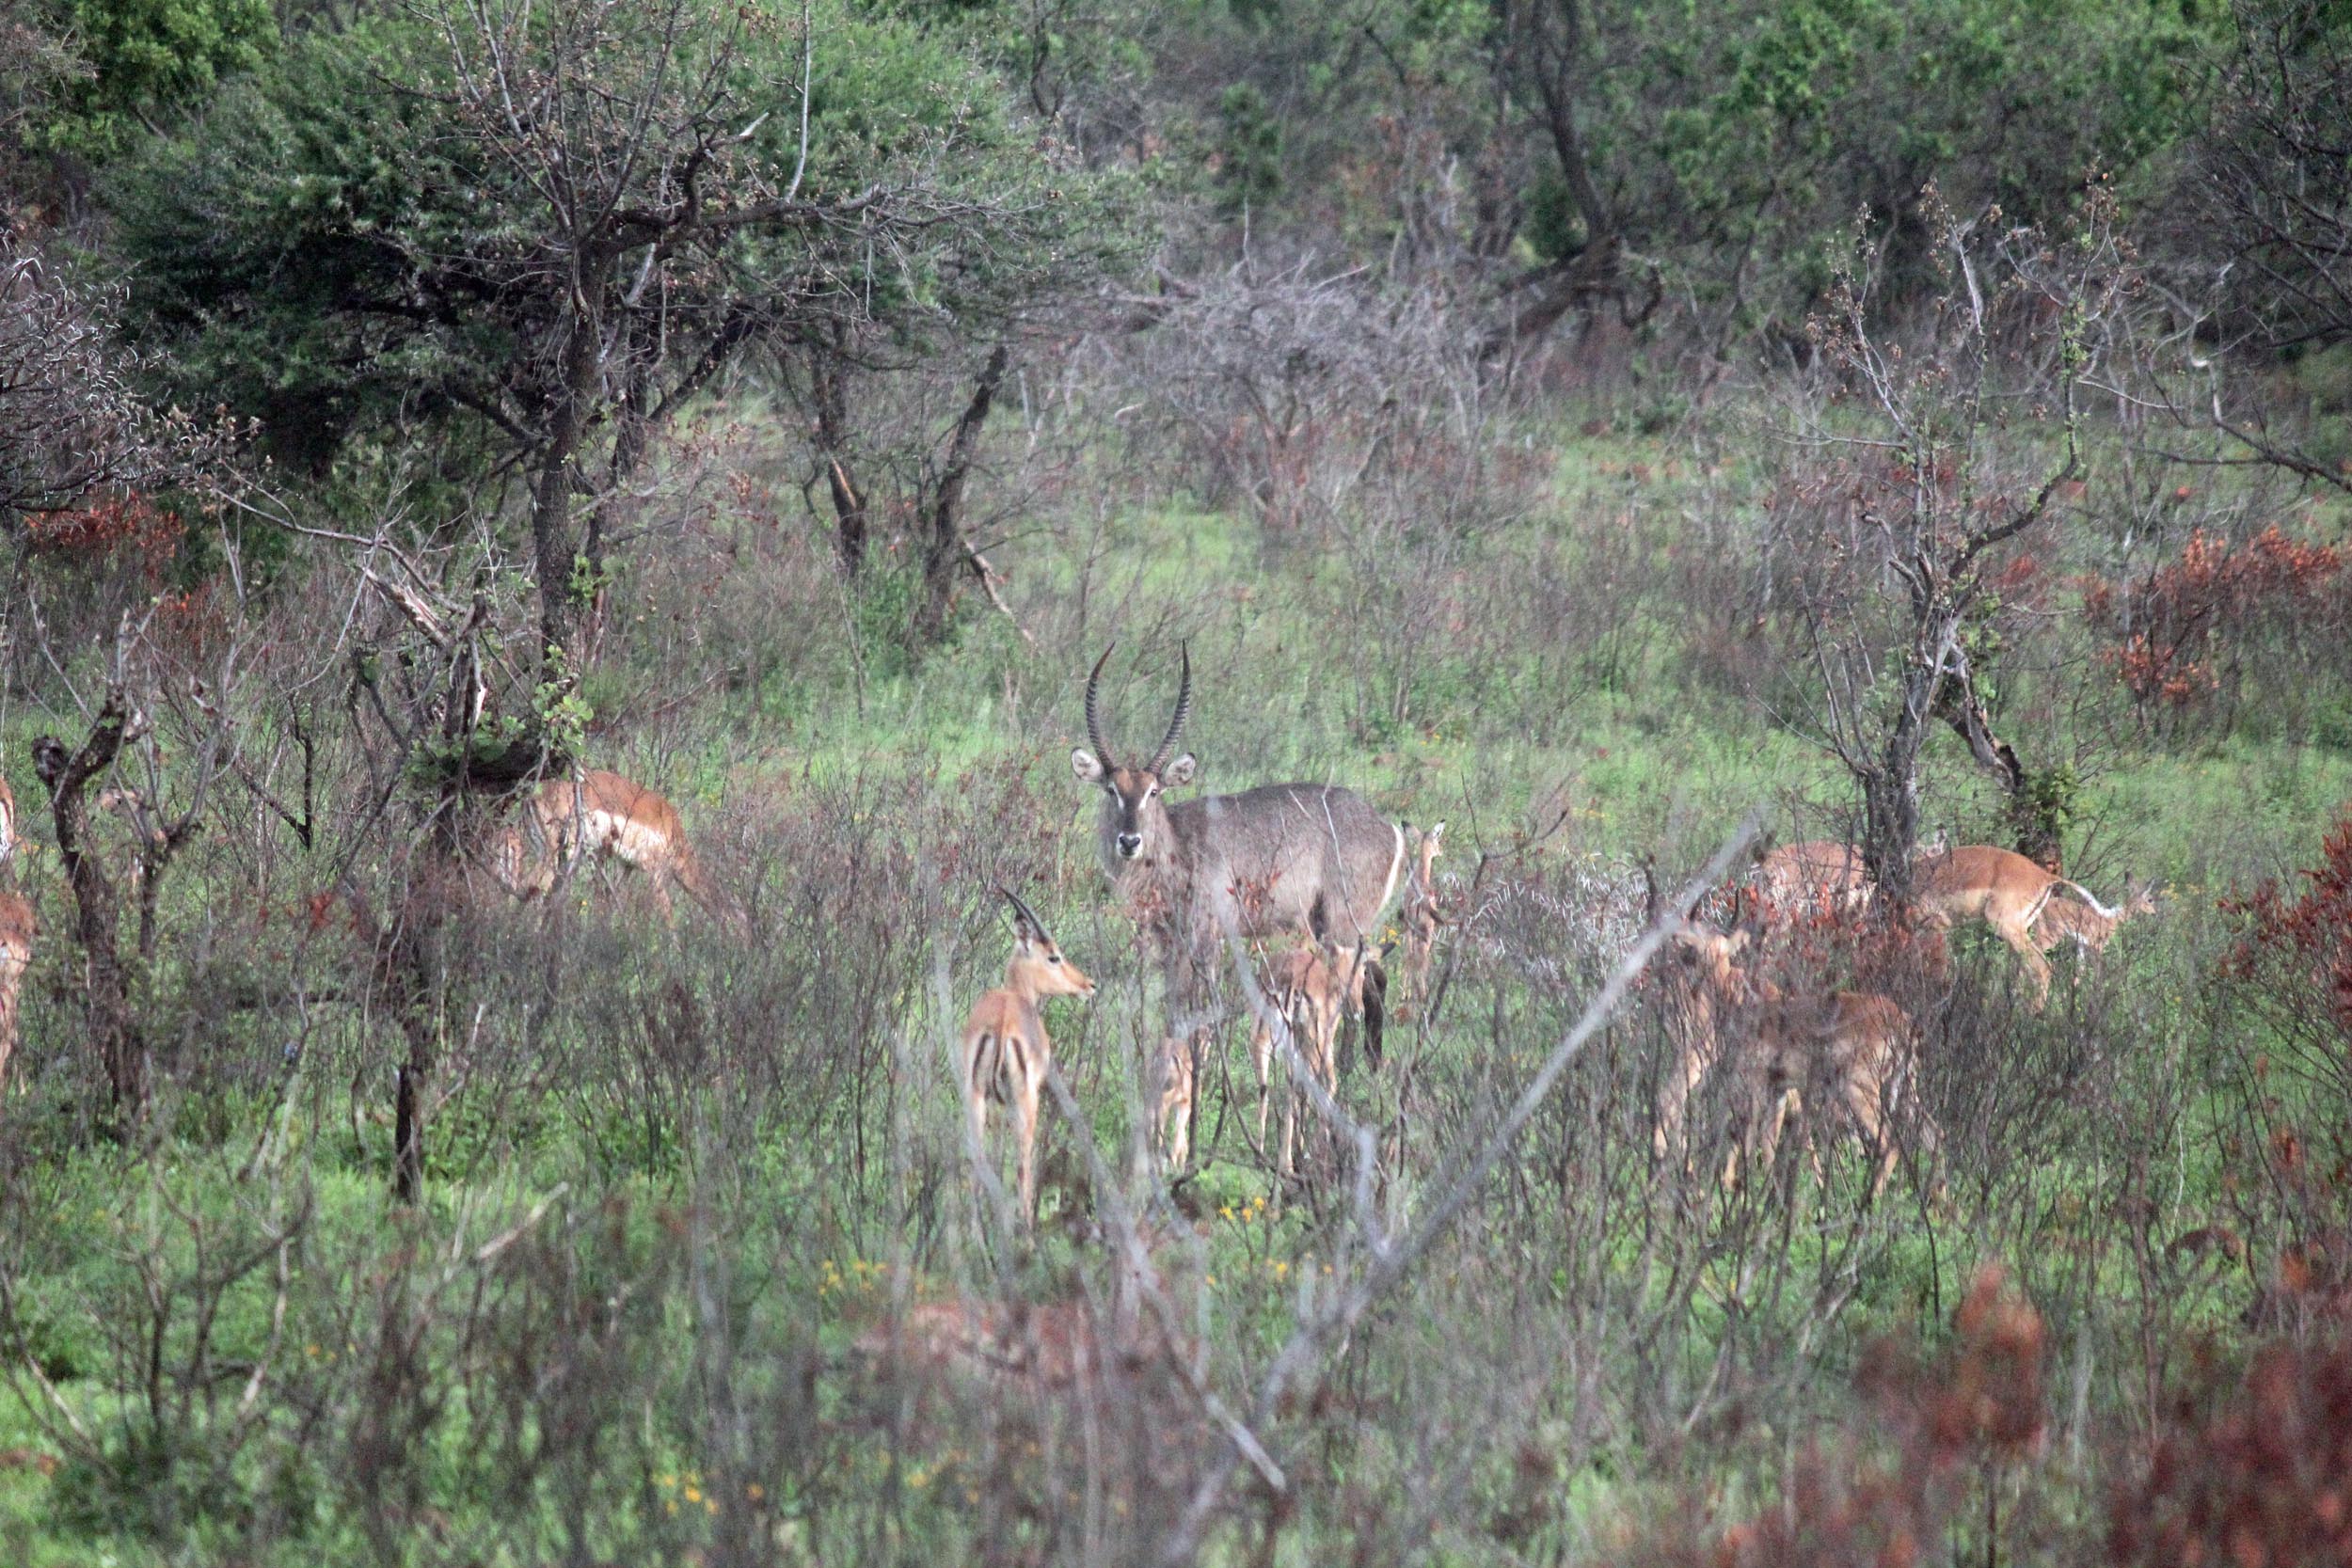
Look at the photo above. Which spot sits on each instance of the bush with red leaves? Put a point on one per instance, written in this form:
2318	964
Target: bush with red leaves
2189	628
2297	951
2261	1475
1979	1405
128	525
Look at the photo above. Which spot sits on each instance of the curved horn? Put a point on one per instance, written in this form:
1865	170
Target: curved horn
1094	717
1025	912
1183	710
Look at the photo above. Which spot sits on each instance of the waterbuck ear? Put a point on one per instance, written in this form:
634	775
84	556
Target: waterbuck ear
1179	772
1087	766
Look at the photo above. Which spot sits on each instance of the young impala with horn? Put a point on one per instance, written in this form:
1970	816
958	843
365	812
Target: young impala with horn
1258	863
1006	1051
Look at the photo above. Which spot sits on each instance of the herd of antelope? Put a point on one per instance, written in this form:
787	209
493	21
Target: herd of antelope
1302	874
1310	869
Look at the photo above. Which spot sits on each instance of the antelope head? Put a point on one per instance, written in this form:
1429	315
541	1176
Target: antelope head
1134	820
1038	965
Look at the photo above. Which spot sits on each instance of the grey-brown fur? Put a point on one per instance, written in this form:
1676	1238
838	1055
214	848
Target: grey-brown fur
1264	856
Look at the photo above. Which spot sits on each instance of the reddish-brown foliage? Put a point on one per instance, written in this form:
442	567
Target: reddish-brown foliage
1981	1404
2174	628
129	523
2265	1478
2310	937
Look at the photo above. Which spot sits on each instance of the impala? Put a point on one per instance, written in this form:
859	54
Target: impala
1310	990
1259	865
2063	920
1006	1052
1848	1049
598	815
17	931
1079	1344
1423	915
2006	891
1822	873
8	822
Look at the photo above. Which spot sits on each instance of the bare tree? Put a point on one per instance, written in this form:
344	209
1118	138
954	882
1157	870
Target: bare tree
70	422
1941	449
73	776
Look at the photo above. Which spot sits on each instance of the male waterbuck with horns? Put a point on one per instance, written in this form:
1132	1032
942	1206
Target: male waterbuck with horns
1282	860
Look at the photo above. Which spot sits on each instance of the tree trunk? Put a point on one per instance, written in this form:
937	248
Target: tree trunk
114	1026
1890	785
945	554
829	390
2034	810
554	554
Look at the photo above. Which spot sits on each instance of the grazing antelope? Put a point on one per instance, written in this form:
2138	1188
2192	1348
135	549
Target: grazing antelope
1822	873
1423	915
17	931
2063	920
1069	1346
2007	892
1847	1049
1006	1051
597	815
1259	863
1310	990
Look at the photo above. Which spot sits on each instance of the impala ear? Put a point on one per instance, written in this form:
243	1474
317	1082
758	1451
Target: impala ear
1088	767
1437	831
1179	772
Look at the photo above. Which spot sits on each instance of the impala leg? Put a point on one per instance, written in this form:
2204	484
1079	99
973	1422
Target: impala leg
1026	1133
1262	1057
1863	1105
1667	1138
975	1113
2037	966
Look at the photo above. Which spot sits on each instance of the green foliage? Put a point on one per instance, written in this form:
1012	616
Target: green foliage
148	61
338	255
1248	150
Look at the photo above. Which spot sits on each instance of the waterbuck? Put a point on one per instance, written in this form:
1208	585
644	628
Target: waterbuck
1292	860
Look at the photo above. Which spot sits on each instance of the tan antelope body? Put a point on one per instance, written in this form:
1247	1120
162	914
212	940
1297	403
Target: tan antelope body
2065	920
1311	990
18	929
8	822
1267	862
599	815
1006	1049
2009	893
1844	1050
1820	875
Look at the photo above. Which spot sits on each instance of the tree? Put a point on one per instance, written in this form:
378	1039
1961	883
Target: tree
546	229
2268	225
146	61
1939	453
69	421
